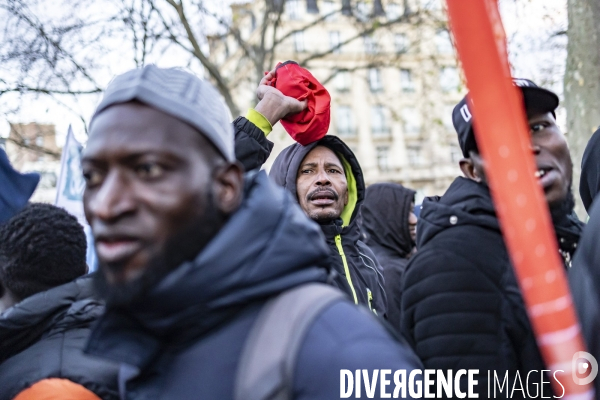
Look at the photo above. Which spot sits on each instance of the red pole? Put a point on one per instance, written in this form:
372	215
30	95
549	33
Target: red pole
503	138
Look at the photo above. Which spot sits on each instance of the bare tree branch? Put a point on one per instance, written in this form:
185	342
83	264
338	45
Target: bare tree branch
210	67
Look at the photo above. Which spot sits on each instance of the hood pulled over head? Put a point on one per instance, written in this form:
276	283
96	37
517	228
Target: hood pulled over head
385	214
285	171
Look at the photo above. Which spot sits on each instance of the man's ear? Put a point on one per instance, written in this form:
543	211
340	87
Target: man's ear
229	185
346	197
468	169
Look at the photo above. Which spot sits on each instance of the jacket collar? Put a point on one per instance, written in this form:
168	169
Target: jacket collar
467	202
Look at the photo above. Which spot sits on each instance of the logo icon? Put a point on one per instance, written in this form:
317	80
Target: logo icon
466	113
583	364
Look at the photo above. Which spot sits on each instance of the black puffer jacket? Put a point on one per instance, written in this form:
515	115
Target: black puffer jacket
589	182
385	221
461	304
357	271
43	337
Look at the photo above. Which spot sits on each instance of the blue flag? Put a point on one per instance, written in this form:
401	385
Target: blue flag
15	188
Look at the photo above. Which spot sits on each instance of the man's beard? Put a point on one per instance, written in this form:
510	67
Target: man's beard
317	216
181	247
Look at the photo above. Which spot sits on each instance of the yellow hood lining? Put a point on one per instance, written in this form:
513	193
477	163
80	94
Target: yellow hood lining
352	192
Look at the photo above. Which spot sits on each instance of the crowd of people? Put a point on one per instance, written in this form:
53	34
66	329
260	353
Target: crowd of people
220	281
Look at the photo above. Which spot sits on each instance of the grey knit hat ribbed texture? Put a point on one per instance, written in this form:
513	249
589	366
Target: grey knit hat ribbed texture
179	94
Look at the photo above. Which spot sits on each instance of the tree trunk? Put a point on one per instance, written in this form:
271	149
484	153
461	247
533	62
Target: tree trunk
582	81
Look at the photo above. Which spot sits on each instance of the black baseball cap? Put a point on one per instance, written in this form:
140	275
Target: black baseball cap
536	99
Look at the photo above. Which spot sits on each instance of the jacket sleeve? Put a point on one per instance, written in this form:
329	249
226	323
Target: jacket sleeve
56	389
252	148
452	314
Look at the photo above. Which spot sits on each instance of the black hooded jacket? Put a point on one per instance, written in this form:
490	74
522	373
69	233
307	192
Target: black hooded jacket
589	182
358	272
43	337
584	279
183	339
461	304
385	222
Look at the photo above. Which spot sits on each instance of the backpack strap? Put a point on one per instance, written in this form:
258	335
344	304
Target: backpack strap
268	359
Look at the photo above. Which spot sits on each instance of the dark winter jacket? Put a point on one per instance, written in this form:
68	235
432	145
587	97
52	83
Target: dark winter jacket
185	336
43	337
357	271
461	304
589	182
385	222
584	279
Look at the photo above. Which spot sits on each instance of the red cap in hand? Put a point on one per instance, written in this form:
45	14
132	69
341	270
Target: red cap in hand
312	123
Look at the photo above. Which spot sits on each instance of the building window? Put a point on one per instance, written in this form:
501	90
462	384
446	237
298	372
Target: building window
393	11
401	43
293	9
362	10
312	7
345	121
383	153
39	141
330	8
443	42
406	81
449	79
378	121
414	156
342	81
334	41
370	44
298	41
411	120
375	80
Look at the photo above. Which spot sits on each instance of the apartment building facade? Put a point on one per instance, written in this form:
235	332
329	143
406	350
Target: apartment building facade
392	73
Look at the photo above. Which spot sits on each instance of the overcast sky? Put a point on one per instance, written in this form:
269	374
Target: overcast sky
535	53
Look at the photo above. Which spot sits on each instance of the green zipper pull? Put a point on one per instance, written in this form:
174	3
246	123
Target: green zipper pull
370	297
338	244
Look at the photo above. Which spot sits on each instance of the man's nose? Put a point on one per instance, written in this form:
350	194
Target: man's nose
322	179
535	149
113	199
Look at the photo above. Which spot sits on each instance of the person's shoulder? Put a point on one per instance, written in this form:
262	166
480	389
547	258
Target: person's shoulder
345	336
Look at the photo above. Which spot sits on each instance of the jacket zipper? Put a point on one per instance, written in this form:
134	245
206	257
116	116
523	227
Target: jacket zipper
338	244
374	270
370	297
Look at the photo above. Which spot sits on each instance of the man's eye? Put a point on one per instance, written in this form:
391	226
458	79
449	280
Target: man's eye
537	127
334	171
92	178
306	171
149	170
